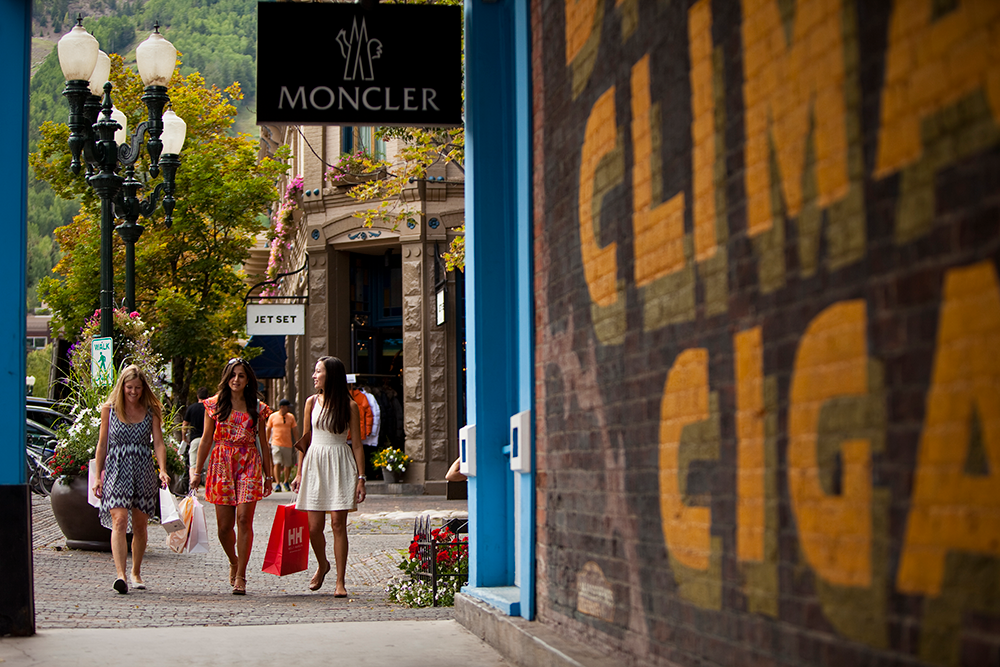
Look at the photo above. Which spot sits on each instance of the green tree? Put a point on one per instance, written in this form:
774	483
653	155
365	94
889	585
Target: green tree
38	364
189	285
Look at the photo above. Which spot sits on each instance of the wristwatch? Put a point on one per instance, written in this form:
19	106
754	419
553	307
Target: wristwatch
362	478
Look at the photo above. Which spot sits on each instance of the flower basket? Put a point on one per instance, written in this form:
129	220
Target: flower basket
438	565
391	460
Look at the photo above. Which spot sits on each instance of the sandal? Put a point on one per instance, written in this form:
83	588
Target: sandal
232	574
240	590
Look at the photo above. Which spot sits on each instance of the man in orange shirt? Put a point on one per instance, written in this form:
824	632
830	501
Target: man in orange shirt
282	432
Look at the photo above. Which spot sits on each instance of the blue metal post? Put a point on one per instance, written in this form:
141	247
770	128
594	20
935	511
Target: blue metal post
524	302
490	285
17	611
499	294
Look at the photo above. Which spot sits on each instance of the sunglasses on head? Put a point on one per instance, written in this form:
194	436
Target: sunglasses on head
236	360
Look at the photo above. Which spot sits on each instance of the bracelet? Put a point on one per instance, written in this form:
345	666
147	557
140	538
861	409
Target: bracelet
362	478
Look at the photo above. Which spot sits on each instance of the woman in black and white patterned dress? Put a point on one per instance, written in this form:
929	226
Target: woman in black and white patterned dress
127	479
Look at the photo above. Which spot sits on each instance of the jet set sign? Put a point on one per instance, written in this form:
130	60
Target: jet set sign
339	64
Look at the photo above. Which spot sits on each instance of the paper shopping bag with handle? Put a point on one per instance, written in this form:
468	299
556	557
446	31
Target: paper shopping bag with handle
288	546
193	537
170	517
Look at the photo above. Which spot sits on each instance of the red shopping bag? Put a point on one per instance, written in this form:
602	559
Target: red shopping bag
288	545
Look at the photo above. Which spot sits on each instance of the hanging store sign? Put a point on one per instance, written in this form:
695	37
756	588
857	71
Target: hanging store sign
351	66
276	319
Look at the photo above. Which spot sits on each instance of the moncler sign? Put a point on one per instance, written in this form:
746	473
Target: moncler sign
339	64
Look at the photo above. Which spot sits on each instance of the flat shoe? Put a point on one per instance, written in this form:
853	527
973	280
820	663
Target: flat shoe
138	585
120	586
322	575
340	595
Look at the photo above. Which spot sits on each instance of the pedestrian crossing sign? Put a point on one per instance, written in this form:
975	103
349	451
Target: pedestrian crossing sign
102	361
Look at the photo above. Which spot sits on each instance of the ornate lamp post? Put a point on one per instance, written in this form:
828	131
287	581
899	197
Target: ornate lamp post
98	138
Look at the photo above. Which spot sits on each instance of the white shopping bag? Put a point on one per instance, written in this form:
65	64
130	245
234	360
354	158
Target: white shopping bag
198	535
193	537
170	518
91	480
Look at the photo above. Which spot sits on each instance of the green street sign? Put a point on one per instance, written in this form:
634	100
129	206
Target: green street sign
102	361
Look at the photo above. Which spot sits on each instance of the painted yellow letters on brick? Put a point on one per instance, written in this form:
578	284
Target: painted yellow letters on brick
750	463
931	64
685	401
953	508
793	90
835	531
659	229
600	265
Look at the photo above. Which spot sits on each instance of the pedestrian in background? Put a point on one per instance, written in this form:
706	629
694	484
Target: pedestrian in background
127	481
282	432
330	477
194	424
234	424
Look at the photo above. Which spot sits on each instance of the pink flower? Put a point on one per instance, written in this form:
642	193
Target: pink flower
133	314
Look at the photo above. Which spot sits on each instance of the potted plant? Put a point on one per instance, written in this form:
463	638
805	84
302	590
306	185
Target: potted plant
77	519
354	168
393	463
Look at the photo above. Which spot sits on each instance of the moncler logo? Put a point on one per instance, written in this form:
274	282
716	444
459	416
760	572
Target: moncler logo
359	52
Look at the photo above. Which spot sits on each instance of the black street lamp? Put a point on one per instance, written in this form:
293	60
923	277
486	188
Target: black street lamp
98	135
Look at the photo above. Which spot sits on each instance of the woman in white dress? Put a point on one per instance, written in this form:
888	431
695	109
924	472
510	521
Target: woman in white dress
330	476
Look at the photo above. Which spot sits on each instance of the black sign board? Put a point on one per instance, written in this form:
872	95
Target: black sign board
339	64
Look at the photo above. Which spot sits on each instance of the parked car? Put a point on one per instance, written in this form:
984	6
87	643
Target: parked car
48	417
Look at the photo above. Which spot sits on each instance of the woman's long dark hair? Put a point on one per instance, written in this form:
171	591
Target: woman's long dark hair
336	413
224	405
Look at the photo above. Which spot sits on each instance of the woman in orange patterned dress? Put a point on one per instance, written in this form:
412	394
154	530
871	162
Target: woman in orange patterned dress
237	477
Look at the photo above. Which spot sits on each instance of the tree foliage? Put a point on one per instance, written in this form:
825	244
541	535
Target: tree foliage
189	285
422	148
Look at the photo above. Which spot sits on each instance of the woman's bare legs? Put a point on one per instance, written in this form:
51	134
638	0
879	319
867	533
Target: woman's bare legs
317	522
119	542
225	516
244	537
338	523
236	538
140	537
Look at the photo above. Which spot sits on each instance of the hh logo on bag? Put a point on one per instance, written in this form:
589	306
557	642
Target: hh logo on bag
287	547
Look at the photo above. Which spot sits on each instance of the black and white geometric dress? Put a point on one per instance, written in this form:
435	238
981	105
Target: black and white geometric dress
130	478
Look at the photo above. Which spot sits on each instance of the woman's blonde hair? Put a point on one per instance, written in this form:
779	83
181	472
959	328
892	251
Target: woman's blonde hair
147	400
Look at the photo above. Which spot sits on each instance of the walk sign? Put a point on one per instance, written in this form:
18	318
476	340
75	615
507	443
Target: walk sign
102	361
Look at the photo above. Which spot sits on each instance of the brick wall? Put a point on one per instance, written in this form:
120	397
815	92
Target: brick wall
768	323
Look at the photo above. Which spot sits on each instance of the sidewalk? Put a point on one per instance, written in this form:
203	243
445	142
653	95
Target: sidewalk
76	609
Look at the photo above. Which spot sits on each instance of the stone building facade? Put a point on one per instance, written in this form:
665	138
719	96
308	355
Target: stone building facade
372	293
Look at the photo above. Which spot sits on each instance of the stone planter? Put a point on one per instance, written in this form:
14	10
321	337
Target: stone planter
391	477
77	519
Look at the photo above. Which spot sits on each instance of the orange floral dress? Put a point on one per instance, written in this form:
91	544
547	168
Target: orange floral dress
235	471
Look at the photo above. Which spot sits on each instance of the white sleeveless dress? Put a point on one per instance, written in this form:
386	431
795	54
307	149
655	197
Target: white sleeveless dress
329	472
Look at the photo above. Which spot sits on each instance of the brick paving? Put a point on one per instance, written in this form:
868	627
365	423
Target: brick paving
73	588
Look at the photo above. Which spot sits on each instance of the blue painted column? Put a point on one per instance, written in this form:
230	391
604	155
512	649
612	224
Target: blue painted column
498	296
525	481
490	286
17	607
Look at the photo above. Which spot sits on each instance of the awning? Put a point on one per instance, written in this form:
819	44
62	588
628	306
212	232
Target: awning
271	362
